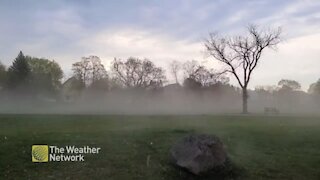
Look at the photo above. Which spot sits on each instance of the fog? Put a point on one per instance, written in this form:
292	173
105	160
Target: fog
172	99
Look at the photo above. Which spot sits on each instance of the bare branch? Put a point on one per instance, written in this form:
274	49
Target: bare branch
244	51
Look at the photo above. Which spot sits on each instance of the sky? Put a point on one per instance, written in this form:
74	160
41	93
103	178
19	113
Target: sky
162	31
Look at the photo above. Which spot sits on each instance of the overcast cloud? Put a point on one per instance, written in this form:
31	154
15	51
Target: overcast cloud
161	31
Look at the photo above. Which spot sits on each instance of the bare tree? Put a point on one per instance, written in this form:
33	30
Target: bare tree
175	67
89	70
241	54
81	70
138	73
289	85
200	74
98	70
208	77
189	68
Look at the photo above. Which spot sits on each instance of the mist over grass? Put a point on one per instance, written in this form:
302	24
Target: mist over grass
137	86
159	102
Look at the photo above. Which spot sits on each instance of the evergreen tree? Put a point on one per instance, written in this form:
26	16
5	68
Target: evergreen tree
3	74
18	72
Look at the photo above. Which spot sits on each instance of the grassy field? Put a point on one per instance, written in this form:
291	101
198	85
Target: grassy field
261	147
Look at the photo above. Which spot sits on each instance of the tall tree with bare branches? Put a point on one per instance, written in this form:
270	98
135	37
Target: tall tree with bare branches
89	70
174	68
138	73
241	54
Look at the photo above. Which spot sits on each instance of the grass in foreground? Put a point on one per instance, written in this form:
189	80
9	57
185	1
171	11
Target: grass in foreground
264	147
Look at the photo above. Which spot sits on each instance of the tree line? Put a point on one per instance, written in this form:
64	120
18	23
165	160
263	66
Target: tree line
33	77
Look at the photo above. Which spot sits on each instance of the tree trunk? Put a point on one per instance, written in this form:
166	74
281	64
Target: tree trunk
176	77
244	101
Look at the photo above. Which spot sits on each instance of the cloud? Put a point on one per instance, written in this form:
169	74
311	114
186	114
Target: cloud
124	43
159	30
297	59
298	18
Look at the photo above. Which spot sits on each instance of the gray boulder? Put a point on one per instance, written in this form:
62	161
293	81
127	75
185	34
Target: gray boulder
199	154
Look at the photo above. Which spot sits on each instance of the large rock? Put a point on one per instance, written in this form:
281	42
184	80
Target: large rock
199	154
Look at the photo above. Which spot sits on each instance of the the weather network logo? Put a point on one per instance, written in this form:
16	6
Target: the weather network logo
40	153
49	153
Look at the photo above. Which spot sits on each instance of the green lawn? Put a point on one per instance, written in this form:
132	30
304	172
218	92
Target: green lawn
260	147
